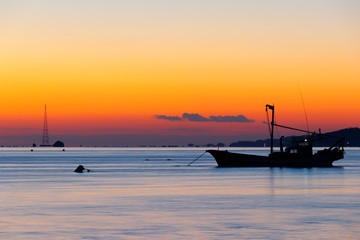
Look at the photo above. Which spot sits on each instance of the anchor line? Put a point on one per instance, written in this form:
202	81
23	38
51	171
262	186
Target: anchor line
196	159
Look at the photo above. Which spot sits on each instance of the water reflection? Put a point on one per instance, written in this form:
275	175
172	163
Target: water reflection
307	180
129	198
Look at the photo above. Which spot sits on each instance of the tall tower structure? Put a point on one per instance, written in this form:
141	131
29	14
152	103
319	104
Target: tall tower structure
45	135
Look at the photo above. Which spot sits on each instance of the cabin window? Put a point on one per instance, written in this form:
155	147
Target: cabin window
293	151
304	144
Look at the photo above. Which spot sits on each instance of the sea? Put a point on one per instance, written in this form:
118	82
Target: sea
153	193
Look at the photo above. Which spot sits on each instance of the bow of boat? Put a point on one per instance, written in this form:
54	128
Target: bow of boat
229	159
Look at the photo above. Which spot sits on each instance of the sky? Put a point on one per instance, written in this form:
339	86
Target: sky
178	67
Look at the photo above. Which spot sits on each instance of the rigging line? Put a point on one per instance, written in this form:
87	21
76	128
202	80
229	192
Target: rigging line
196	159
268	121
295	129
277	129
302	99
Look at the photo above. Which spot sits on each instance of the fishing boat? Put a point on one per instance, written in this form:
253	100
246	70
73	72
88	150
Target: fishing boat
298	154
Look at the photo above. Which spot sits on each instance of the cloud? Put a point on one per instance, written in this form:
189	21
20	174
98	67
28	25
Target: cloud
169	118
238	118
194	117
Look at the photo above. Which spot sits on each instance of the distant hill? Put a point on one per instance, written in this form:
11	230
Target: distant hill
351	135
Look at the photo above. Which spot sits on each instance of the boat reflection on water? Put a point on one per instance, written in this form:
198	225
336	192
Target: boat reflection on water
299	154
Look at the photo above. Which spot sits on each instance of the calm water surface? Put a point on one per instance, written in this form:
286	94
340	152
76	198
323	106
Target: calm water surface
152	194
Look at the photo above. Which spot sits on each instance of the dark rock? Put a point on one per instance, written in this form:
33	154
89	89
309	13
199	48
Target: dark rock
59	144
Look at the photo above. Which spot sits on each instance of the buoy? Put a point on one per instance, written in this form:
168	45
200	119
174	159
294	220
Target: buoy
79	169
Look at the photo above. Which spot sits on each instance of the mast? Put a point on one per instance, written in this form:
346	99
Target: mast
271	107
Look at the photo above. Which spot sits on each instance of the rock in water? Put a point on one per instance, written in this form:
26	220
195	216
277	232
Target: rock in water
79	169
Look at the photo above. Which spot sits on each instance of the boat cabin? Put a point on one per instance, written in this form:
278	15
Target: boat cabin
303	148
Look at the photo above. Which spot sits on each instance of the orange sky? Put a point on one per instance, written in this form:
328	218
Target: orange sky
105	67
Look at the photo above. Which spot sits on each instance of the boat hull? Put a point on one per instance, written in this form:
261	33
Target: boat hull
278	159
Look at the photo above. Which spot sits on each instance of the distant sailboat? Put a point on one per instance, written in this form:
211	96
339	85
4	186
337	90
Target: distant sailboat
298	155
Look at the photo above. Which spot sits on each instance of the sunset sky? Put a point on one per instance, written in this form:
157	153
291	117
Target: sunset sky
157	67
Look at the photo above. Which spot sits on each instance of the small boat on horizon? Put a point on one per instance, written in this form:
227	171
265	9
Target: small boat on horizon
298	154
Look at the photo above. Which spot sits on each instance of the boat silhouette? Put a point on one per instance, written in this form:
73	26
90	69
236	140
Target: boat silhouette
298	154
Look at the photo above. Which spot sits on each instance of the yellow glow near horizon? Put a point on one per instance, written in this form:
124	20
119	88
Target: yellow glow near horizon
111	63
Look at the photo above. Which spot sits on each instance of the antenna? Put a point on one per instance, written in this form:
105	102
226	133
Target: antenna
302	99
45	136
